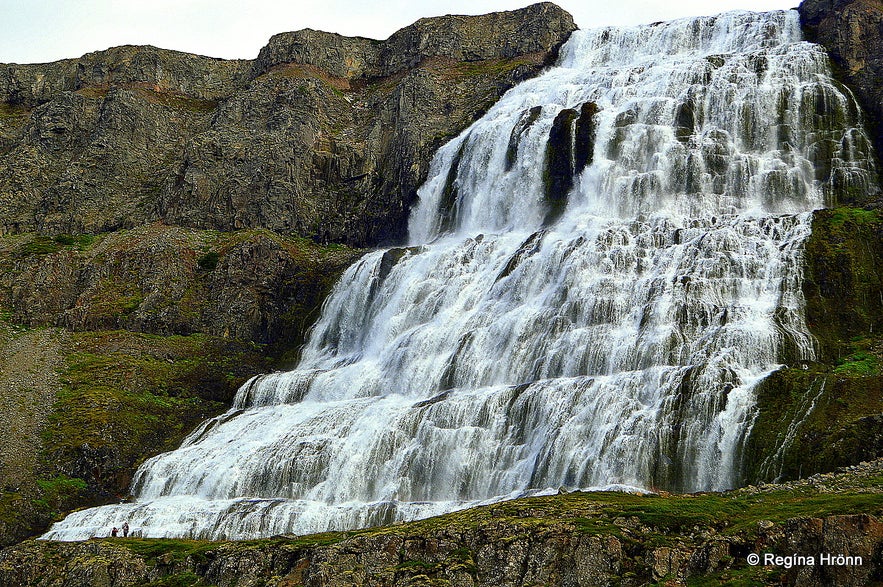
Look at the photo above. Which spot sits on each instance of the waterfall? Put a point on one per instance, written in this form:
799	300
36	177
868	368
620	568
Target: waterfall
599	272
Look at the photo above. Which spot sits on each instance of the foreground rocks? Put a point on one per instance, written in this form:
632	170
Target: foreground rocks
321	136
575	539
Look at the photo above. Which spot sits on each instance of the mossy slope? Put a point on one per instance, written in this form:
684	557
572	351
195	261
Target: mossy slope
816	417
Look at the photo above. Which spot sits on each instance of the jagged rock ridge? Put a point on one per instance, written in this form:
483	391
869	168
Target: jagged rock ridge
321	136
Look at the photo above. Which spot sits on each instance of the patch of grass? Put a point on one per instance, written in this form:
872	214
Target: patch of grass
738	577
40	245
176	100
128	396
44	245
859	216
79	242
209	261
649	521
179	549
57	491
859	364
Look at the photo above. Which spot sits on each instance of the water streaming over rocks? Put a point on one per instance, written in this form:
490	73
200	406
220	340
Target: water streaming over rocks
600	271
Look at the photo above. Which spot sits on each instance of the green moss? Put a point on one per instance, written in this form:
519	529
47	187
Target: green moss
209	261
858	364
113	298
44	245
178	549
128	396
185	579
738	577
78	242
810	420
40	245
57	493
843	280
858	216
640	522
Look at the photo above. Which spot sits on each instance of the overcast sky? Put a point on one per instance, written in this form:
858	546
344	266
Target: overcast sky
34	31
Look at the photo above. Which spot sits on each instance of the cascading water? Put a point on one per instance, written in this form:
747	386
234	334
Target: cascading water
601	269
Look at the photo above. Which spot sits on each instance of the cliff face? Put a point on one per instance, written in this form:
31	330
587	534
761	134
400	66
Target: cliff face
159	211
852	32
321	136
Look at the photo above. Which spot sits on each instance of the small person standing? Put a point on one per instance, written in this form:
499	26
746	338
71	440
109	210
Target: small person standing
125	529
114	532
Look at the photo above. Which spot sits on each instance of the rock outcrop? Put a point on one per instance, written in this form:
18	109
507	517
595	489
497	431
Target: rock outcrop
321	136
255	286
577	539
87	403
852	32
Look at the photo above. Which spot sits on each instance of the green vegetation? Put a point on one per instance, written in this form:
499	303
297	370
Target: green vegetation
828	413
127	396
79	242
740	577
209	261
176	100
44	245
57	491
175	549
491	67
858	364
814	420
640	523
843	279
855	216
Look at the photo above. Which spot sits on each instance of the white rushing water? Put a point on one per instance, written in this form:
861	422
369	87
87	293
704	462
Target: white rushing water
524	342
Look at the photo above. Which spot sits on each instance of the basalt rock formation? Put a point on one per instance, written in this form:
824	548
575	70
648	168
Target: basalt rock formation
321	136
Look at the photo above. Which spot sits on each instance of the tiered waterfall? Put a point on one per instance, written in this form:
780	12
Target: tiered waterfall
600	270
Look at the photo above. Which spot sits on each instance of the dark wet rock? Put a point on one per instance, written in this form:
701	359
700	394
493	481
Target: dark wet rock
852	33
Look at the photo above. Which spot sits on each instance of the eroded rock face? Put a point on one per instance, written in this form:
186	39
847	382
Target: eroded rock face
254	286
852	32
321	136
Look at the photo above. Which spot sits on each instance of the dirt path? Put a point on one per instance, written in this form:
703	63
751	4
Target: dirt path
29	377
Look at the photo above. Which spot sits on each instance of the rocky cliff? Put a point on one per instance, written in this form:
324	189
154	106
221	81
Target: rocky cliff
321	136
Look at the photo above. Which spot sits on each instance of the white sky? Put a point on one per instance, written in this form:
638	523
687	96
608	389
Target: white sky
34	31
